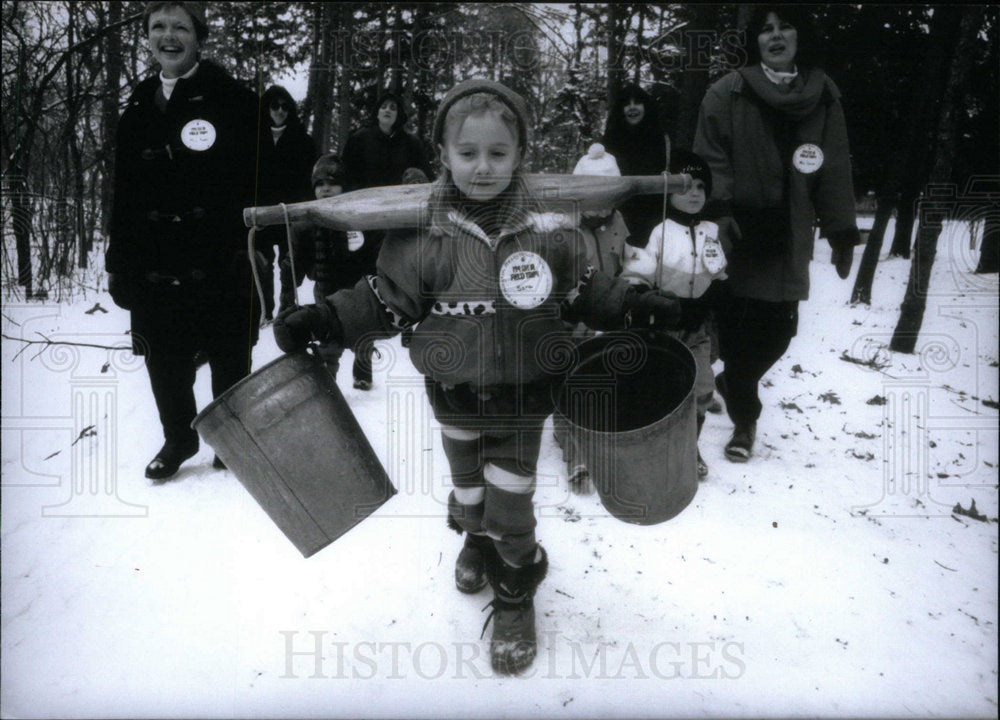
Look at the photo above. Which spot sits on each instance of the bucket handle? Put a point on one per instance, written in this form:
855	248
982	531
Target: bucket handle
252	255
663	228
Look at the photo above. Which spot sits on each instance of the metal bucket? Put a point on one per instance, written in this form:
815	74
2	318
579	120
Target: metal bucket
290	438
629	402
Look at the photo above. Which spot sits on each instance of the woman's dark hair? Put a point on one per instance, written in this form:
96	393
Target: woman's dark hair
276	93
400	111
617	125
195	10
810	43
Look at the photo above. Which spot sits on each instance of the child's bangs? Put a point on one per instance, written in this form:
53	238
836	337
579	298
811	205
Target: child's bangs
479	104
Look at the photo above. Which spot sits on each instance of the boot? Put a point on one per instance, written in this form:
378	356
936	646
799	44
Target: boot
514	644
740	445
169	459
470	567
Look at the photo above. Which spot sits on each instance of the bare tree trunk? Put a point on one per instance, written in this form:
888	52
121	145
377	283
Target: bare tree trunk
321	72
910	171
911	314
345	79
615	69
989	248
869	260
109	111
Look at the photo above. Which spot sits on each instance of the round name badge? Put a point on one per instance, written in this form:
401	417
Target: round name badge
712	256
807	158
198	135
525	280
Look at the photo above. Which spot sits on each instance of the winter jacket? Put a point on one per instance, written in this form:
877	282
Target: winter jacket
285	166
682	260
374	159
766	176
182	179
323	255
605	241
490	310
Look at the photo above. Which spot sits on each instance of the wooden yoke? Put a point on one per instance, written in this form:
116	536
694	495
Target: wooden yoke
401	206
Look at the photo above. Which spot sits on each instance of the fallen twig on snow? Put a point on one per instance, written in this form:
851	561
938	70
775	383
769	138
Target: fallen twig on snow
47	342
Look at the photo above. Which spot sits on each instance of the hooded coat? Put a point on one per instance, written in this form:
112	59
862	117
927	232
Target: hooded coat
285	165
182	178
640	150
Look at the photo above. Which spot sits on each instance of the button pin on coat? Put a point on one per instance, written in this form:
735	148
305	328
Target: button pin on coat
198	135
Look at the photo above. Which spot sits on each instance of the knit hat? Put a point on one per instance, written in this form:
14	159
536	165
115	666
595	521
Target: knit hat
478	85
685	161
195	9
414	176
330	168
597	161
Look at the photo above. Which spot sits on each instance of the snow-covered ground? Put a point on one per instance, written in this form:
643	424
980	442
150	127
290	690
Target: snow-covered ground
830	576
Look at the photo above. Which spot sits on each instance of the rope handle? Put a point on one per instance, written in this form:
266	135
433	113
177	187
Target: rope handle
663	215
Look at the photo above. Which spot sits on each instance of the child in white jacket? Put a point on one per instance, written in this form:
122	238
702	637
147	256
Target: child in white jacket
683	258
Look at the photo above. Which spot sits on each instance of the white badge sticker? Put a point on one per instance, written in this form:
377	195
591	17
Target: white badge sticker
712	255
198	135
807	158
525	280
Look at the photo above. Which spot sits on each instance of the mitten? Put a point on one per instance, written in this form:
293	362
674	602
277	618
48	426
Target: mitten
648	308
121	290
842	244
296	327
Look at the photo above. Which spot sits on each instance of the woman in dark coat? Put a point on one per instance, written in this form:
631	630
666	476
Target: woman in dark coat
375	156
287	154
184	170
638	142
773	133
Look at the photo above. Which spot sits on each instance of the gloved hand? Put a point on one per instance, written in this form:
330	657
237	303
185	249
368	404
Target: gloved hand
842	244
296	327
121	290
647	308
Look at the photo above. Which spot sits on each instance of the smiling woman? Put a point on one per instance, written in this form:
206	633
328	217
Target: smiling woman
184	170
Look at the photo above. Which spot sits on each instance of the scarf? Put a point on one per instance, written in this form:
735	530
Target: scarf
794	100
682	218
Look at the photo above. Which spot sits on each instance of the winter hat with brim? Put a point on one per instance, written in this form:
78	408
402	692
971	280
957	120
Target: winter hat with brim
328	168
597	161
685	161
477	85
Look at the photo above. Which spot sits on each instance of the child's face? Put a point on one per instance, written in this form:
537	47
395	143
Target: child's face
634	111
327	188
482	156
692	201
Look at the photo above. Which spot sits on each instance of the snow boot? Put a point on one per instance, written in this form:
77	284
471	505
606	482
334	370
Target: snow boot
514	644
740	445
168	461
470	566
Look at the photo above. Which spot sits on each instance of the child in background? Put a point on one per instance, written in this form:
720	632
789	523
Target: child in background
334	259
488	279
604	234
684	256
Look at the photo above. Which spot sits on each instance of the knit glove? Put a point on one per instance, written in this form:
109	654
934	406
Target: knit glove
842	244
296	327
121	290
645	308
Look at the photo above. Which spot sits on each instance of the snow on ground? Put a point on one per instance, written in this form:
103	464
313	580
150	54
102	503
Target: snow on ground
830	576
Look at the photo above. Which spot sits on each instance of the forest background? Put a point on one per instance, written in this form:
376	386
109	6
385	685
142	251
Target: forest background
920	92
